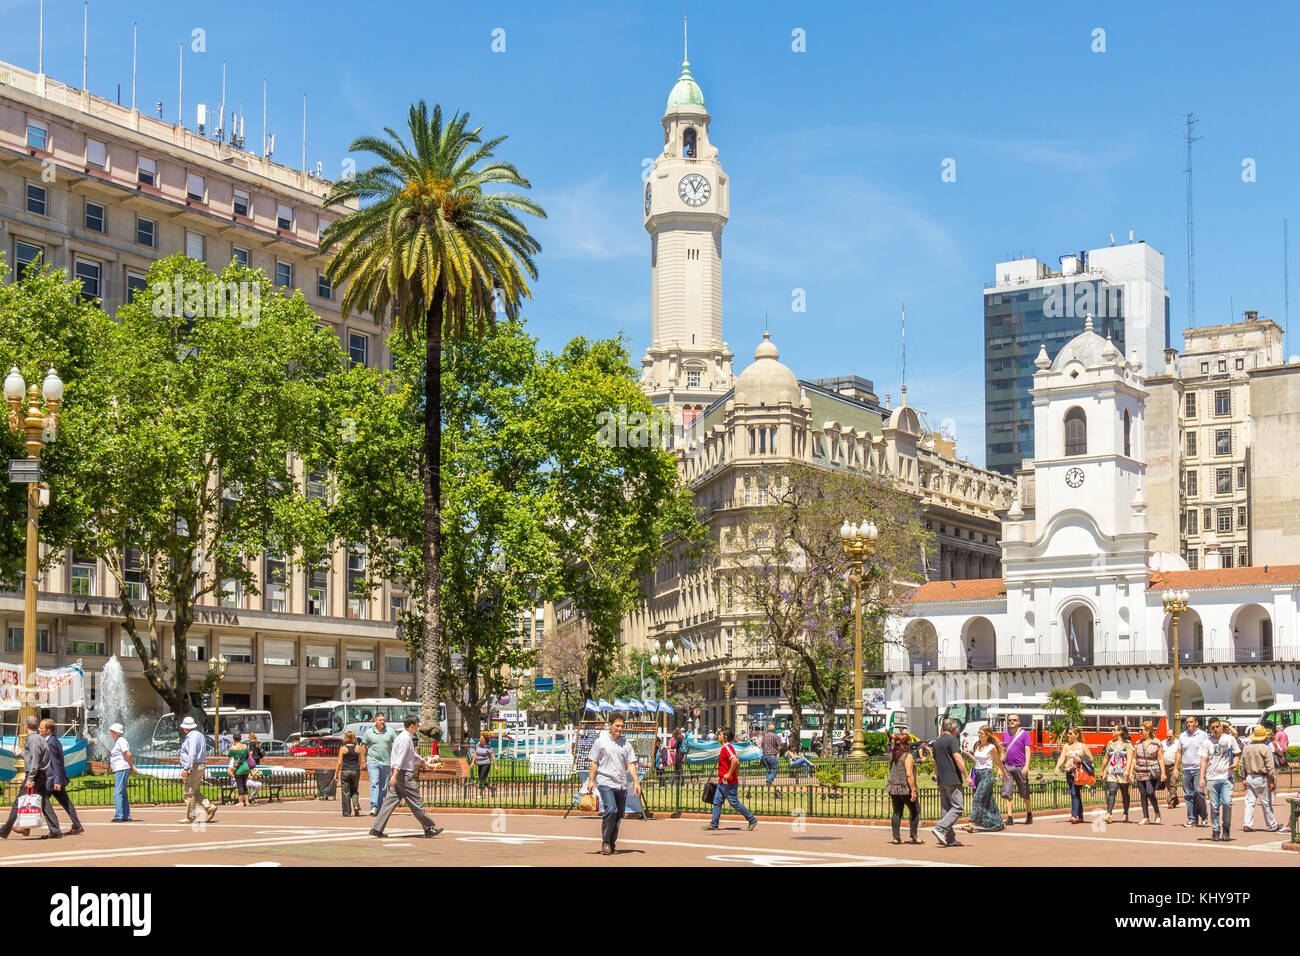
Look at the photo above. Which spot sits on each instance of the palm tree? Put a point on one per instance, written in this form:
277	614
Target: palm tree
429	249
1064	710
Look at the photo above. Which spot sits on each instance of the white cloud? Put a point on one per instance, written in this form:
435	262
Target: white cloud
592	220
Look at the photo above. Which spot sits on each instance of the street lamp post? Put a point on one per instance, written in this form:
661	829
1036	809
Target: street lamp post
217	668
729	687
665	661
859	544
39	427
1175	603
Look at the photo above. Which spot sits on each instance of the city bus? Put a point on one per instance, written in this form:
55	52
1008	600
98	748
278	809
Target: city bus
887	721
1286	718
334	717
1098	719
234	720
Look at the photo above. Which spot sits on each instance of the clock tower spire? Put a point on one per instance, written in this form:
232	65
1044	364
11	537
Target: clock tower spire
687	204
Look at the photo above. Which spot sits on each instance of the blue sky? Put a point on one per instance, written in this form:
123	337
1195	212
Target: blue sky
834	154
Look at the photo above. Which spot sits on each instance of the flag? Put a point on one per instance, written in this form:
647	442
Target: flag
591	705
605	705
74	758
7	762
620	704
666	708
636	705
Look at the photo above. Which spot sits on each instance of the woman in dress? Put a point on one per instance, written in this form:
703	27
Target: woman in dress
347	774
1071	760
987	759
1119	769
901	788
1150	770
238	768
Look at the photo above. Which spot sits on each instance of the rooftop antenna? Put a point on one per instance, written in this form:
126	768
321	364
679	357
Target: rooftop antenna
135	29
221	116
263	116
1191	245
304	132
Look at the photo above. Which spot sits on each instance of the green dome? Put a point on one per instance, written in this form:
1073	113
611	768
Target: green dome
686	92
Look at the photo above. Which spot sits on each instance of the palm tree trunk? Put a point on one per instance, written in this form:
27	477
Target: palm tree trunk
431	690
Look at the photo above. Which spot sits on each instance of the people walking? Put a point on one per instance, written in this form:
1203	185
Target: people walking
36	780
1074	760
949	771
347	774
1218	754
771	745
1260	772
611	763
238	767
901	787
987	758
122	765
1190	742
1150	772
193	759
1016	742
1170	760
57	779
402	785
484	760
728	781
378	743
680	749
1118	769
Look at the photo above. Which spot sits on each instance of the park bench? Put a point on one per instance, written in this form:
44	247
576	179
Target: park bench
228	792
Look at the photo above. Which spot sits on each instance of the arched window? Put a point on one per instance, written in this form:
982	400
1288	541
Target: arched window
1076	432
1128	429
688	143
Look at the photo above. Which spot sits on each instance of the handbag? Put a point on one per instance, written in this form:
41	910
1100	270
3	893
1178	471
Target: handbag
1086	772
710	790
588	802
29	811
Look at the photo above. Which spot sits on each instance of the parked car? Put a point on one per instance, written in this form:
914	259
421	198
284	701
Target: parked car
316	747
274	748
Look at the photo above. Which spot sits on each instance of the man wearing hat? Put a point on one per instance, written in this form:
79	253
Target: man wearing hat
120	762
194	755
1261	779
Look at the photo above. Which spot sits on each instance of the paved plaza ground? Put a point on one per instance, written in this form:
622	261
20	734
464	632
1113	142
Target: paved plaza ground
310	834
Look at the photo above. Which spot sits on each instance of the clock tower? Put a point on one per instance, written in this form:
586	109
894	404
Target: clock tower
687	204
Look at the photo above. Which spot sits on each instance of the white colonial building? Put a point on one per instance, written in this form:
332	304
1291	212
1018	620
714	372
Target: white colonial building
1079	601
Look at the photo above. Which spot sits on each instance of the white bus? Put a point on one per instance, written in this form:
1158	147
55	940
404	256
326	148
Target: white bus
1285	717
234	720
887	721
334	717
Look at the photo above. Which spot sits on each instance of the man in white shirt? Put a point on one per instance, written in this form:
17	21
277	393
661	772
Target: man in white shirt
613	761
1218	752
120	762
404	762
194	756
1189	758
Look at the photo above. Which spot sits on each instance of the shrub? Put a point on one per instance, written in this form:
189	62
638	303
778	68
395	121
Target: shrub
830	777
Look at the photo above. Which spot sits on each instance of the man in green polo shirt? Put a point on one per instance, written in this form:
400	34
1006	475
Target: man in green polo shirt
378	743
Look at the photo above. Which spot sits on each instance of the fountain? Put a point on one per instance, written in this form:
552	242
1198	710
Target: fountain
116	707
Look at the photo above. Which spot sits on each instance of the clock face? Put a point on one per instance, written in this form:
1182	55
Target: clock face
1074	477
647	199
694	190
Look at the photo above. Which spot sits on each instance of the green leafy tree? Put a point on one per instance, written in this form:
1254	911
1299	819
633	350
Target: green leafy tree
437	252
1064	710
180	441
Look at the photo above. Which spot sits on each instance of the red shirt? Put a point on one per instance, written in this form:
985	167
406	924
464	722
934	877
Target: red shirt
725	773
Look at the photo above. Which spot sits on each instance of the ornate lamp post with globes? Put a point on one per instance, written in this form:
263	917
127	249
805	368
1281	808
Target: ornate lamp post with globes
39	427
859	544
729	689
664	660
217	670
1175	603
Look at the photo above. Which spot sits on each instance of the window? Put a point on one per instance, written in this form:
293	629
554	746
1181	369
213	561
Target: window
195	187
1223	481
284	217
764	685
324	288
316	488
232	593
241	203
239	256
1208	515
1222	401
37	199
318	579
1243	557
1224	520
275	585
1240	364
1191	444
1191	405
237	650
38	137
133	573
322	655
358	349
1076	432
94	216
1241	476
689	143
1241	517
693	379
88	273
1128	429
399	665
194	245
1191	521
279	653
14	641
358	603
96	154
1225	558
1205	368
82	575
146	171
1193	559
196	649
283	273
135	283
146	232
1223	441
361	659
1223	365
25	256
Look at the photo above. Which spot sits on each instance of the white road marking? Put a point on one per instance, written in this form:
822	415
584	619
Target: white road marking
1198	845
